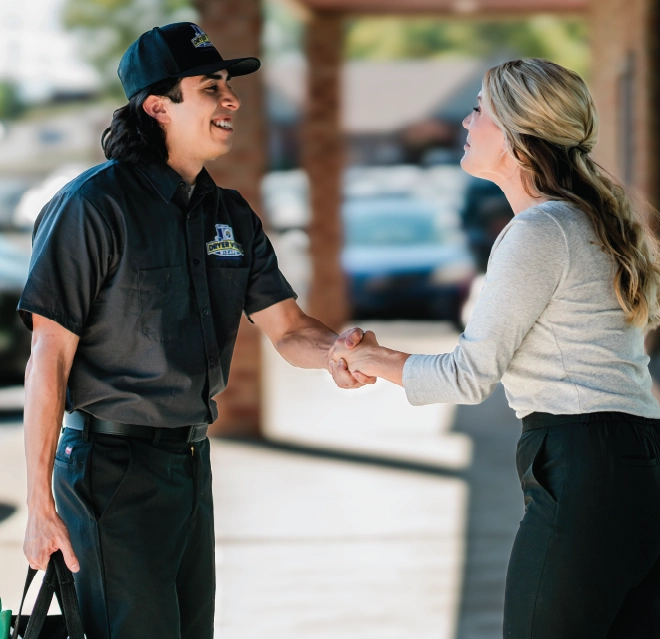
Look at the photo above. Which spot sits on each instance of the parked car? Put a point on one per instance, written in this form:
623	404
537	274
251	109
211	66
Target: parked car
14	337
11	191
485	213
36	197
403	261
286	199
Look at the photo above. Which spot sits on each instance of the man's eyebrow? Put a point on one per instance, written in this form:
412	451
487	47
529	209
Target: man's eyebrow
215	76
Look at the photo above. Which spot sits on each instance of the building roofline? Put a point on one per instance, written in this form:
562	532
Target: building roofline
467	8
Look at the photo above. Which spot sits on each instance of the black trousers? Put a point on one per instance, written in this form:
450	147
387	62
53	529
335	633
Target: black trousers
586	560
140	517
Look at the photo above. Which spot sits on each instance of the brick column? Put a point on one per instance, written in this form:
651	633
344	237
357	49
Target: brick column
624	32
323	159
652	27
623	39
234	26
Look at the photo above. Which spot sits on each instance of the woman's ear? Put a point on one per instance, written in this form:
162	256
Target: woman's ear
505	142
156	107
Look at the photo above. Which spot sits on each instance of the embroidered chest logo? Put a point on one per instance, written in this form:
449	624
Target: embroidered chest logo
224	244
201	40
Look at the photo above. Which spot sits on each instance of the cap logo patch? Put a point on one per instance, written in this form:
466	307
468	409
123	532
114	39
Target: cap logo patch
224	244
200	40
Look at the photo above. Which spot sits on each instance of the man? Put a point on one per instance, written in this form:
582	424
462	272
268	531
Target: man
140	271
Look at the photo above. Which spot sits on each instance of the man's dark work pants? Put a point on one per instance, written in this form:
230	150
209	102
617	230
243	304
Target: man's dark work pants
586	559
140	517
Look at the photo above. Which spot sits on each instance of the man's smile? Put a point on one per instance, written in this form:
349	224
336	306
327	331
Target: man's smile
223	123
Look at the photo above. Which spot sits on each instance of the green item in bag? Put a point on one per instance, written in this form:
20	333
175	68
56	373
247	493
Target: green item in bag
5	622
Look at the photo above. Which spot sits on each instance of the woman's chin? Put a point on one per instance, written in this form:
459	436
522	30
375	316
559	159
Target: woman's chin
465	164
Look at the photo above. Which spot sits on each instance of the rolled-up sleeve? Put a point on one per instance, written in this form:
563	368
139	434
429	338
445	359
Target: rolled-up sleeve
71	251
526	267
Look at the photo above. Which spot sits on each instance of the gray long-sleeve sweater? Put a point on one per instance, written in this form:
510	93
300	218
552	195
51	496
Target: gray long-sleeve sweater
547	324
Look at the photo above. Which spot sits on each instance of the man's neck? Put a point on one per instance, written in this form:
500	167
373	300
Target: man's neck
187	168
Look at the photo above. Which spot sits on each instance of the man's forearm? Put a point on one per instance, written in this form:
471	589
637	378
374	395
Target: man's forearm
306	342
45	388
308	345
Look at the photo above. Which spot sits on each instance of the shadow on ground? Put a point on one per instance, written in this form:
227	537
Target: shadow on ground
11	417
494	510
6	511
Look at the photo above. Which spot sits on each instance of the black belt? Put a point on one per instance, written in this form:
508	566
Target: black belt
77	419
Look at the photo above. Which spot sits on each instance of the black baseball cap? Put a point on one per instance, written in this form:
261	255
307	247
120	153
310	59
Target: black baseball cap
178	50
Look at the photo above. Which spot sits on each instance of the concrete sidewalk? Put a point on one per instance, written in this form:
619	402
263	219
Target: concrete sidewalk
315	547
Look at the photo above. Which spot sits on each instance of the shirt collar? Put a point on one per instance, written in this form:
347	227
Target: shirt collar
165	180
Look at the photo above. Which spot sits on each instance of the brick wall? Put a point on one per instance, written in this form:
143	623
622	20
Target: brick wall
234	26
623	40
625	31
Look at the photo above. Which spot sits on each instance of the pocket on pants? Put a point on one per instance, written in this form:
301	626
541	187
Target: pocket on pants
540	486
110	469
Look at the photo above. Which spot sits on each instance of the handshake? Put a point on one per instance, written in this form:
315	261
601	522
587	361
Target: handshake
356	359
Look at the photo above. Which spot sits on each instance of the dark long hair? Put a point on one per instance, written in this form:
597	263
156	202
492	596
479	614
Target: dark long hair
134	136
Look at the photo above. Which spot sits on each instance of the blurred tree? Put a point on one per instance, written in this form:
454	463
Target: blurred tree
11	105
107	27
283	31
559	39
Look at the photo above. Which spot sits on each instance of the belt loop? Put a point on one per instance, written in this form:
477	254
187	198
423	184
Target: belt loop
85	432
191	433
157	434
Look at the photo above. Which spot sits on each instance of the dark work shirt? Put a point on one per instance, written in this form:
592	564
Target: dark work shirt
153	284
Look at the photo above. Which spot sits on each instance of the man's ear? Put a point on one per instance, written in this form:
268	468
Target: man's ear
156	107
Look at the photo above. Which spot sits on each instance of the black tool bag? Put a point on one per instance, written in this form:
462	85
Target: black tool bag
58	580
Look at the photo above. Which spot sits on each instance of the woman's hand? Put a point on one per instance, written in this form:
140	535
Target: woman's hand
369	359
358	358
339	370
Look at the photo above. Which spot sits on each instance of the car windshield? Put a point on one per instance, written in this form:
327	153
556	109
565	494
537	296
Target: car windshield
396	222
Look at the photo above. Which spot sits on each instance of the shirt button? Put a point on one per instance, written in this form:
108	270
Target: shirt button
190	216
182	185
212	363
206	311
196	262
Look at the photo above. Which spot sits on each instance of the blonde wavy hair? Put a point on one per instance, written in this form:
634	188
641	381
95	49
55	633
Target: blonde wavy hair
551	124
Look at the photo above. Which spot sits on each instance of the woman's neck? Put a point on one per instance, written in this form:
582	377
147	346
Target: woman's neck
519	199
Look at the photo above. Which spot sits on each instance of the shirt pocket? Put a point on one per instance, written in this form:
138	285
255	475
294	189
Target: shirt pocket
164	295
638	460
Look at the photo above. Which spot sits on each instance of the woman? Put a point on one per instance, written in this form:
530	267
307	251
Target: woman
571	287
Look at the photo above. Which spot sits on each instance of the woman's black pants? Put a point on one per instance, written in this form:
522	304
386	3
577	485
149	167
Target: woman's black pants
586	560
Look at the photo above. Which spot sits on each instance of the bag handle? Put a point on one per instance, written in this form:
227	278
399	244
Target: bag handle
67	597
28	581
58	580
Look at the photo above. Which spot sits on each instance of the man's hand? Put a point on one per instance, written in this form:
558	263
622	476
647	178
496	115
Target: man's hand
359	358
338	366
306	342
45	534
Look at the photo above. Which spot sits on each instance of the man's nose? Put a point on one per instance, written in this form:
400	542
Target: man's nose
465	122
230	100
